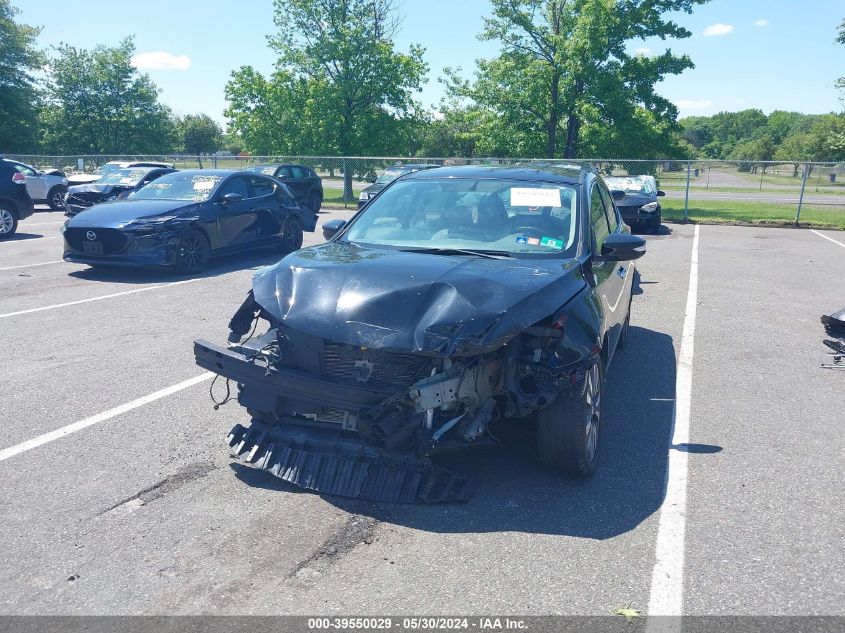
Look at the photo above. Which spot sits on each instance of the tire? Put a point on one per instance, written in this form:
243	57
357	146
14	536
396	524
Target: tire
194	253
56	197
314	201
656	222
8	222
291	234
568	429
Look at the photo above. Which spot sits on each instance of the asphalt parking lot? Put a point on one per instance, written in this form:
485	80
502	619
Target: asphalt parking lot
141	511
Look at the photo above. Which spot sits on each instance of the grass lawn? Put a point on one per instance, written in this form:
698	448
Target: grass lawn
729	212
334	195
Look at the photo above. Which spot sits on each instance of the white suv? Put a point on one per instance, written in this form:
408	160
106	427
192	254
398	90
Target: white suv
43	186
106	168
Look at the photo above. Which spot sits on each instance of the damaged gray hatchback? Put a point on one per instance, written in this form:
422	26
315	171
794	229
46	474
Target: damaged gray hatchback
458	298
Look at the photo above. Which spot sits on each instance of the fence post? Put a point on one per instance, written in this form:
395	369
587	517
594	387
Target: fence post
686	196
801	197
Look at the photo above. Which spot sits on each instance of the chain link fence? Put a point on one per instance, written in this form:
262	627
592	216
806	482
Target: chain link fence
780	193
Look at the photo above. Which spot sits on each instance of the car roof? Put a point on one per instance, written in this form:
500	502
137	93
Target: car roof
546	172
414	166
207	172
276	165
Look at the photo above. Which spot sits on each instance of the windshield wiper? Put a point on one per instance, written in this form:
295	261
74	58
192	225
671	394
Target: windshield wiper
459	251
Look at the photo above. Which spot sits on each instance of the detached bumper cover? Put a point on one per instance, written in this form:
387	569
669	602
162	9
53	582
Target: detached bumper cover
331	463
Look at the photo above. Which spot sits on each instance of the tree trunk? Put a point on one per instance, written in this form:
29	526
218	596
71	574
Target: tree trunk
346	149
554	118
199	160
573	124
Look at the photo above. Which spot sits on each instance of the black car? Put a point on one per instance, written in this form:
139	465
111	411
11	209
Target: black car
639	207
388	176
459	297
15	203
184	218
118	184
306	185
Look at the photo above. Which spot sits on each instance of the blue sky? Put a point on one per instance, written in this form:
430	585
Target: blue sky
767	54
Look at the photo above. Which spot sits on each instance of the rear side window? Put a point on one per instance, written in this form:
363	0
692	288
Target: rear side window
300	172
283	172
261	186
598	218
26	171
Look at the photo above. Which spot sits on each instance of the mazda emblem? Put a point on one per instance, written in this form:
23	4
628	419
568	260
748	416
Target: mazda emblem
91	235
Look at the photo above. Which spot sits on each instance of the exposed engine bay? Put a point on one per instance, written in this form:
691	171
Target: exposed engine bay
360	421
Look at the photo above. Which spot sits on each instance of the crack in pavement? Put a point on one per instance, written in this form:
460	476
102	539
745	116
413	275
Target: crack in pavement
171	483
357	529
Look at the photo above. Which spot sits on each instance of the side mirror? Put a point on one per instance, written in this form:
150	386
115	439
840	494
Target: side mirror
618	195
622	247
661	193
331	227
231	197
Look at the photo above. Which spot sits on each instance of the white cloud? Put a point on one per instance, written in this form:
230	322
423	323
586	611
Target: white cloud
718	29
694	104
161	60
642	51
761	22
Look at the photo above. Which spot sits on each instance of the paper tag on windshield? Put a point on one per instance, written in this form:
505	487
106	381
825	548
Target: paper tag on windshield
125	181
525	197
203	185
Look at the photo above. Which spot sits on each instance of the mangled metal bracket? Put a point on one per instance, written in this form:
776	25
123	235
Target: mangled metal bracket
333	464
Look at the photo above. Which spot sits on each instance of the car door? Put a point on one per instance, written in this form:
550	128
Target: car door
35	186
300	183
610	277
236	220
269	217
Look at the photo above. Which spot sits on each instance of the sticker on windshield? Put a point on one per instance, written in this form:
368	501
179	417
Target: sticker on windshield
521	239
532	197
551	242
534	241
203	185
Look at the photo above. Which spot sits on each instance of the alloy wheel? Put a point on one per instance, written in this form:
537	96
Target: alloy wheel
593	396
7	222
193	253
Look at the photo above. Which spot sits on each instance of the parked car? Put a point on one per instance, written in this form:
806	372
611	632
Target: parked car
15	202
639	207
458	297
387	176
183	219
46	186
106	168
118	184
306	185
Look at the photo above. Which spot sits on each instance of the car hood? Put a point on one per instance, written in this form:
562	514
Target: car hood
121	212
97	188
82	179
373	188
413	302
635	200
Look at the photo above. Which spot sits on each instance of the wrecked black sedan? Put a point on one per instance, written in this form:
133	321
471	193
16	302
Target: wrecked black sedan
117	185
458	298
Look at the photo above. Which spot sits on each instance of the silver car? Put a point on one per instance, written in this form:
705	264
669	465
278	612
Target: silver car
43	186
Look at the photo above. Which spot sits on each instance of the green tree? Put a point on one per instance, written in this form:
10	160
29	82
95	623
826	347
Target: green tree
344	51
564	64
840	39
19	102
199	134
98	103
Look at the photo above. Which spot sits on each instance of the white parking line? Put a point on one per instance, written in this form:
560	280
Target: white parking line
667	579
828	238
100	298
26	225
55	261
35	442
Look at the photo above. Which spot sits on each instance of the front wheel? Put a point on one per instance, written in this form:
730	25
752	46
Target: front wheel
656	222
56	197
568	429
8	223
292	234
194	253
